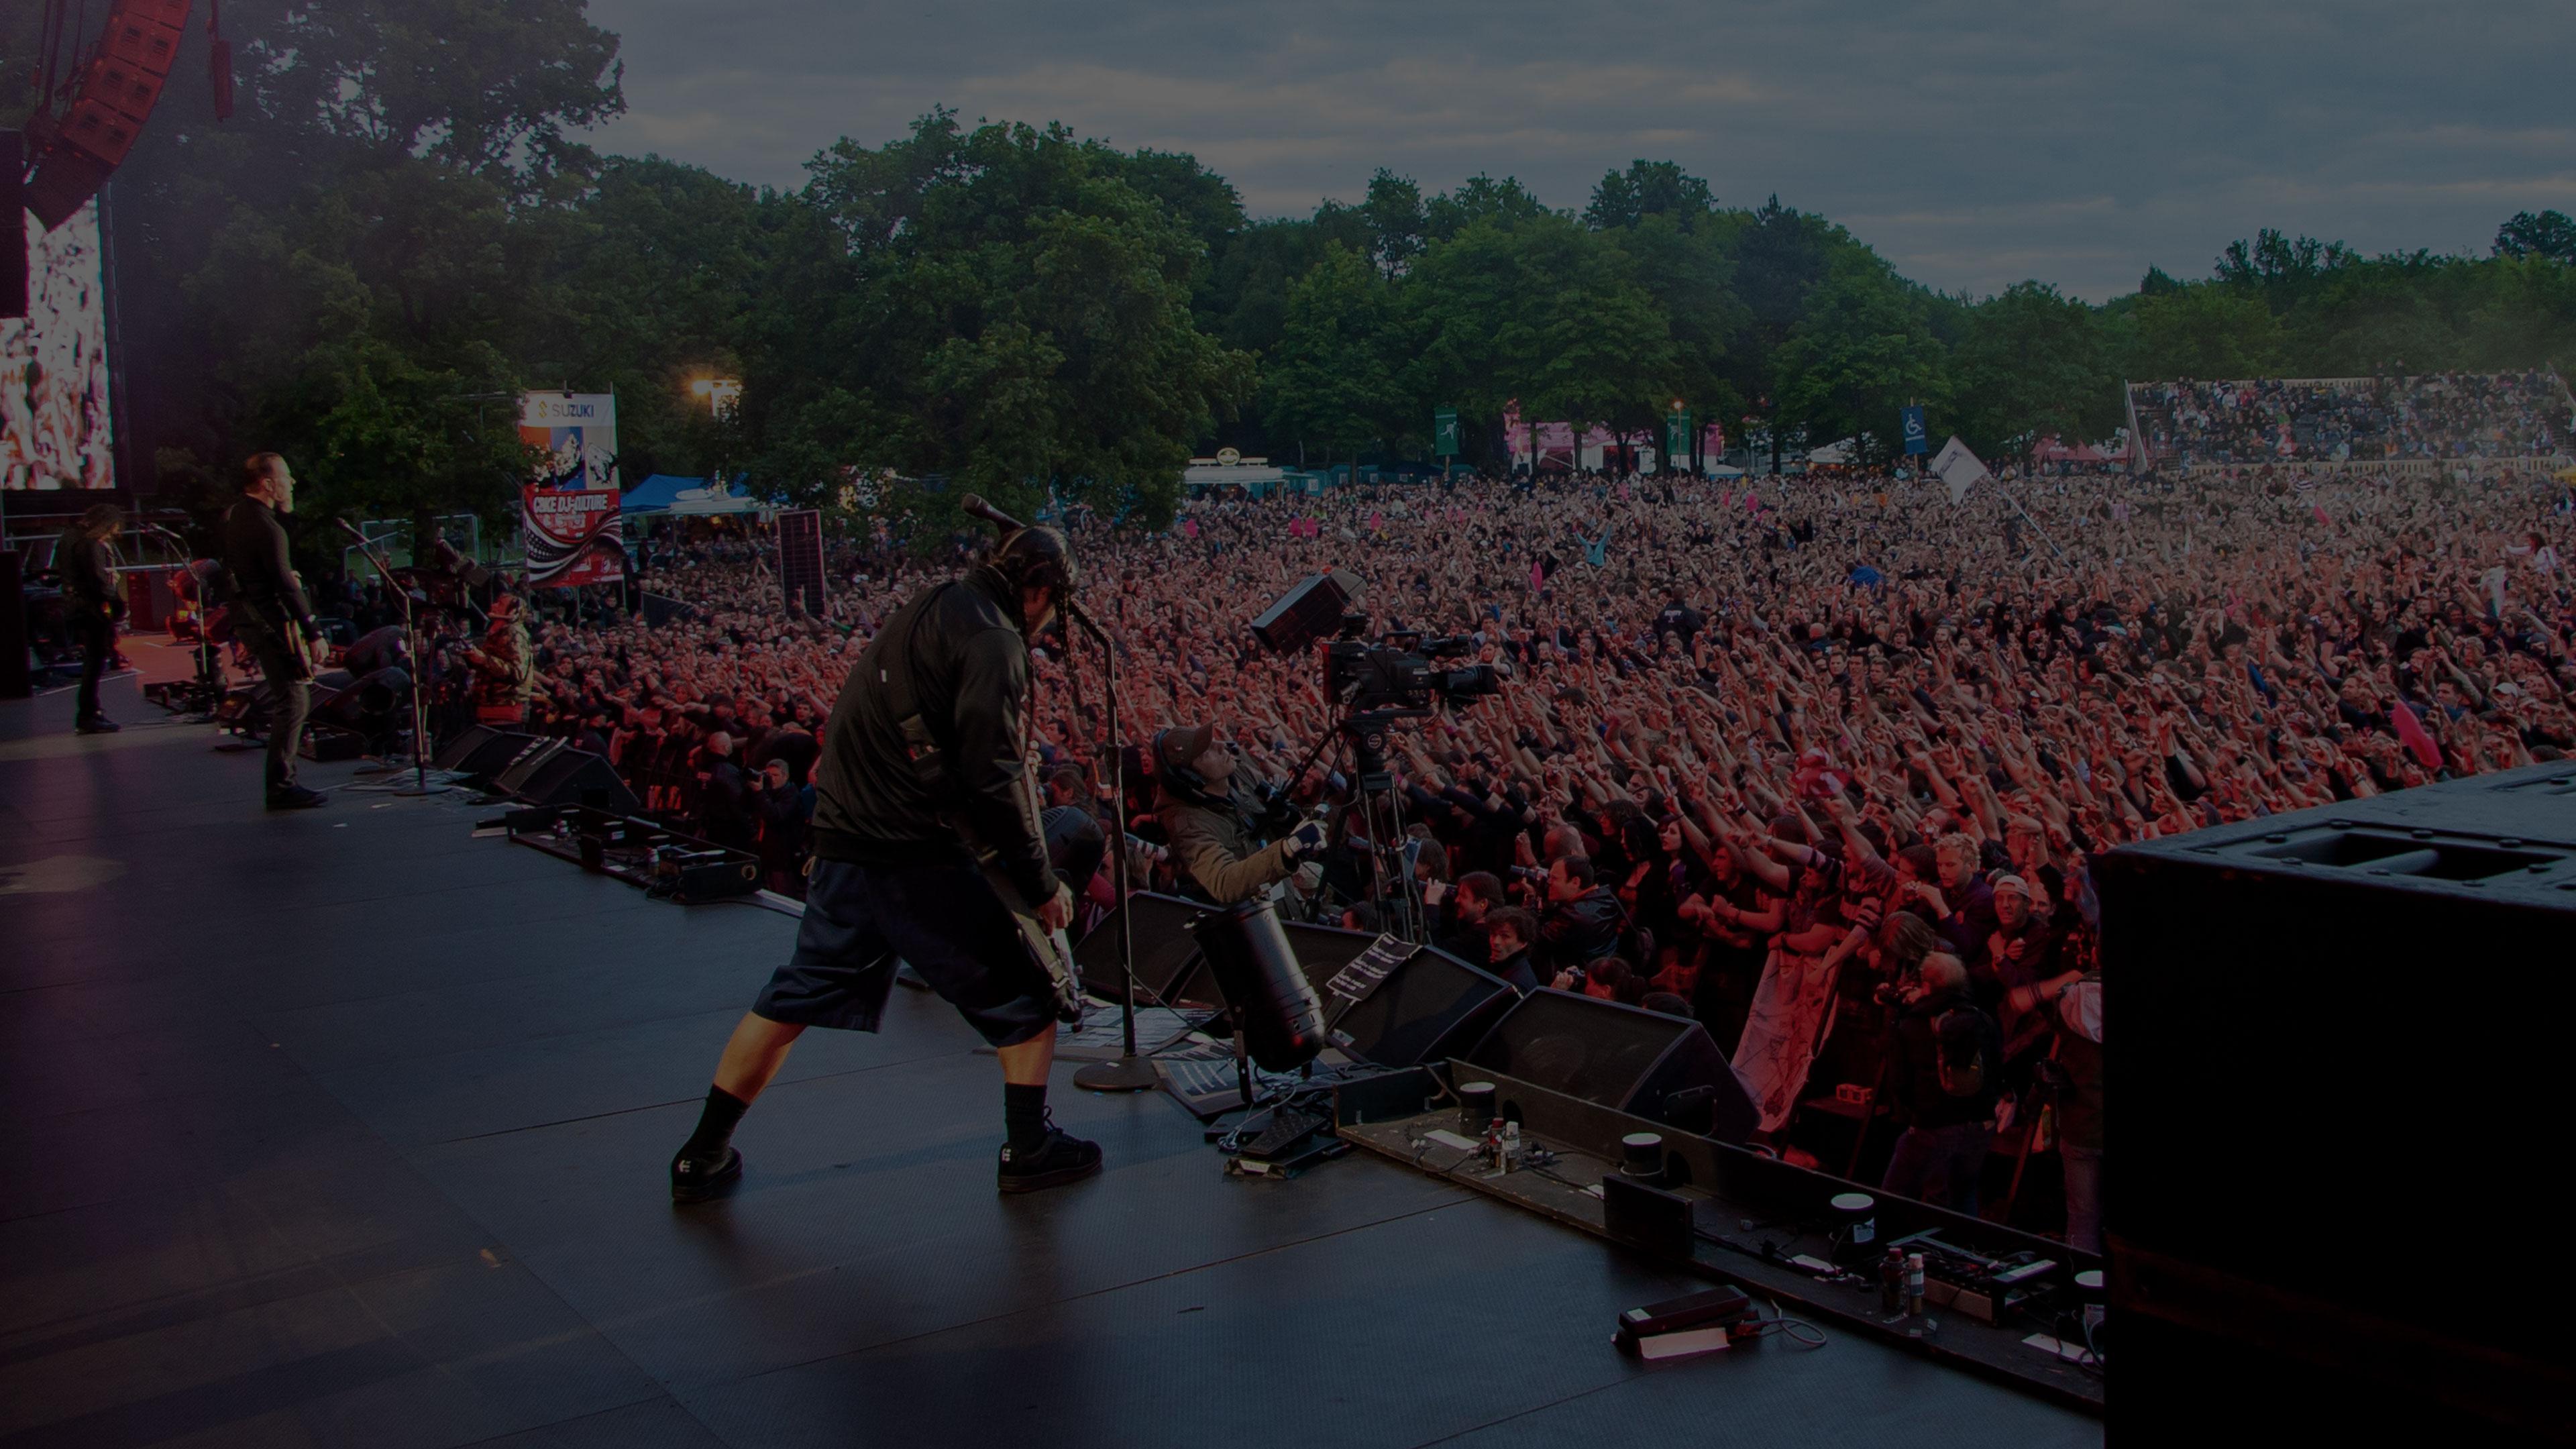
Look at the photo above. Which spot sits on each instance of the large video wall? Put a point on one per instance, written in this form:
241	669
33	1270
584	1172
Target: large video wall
54	418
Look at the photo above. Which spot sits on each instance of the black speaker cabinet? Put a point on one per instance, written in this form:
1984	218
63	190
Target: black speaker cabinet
514	777
2334	1077
562	775
482	752
1322	951
1428	1009
1167	955
1622	1057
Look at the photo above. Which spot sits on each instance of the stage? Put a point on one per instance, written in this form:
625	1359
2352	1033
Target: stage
345	1127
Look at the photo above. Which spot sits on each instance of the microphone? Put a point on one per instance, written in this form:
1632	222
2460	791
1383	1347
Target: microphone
973	503
351	529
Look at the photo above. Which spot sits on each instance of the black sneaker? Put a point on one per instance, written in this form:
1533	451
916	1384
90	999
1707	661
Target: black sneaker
694	1179
102	725
1058	1159
296	797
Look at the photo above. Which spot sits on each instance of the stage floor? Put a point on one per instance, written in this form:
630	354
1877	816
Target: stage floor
345	1127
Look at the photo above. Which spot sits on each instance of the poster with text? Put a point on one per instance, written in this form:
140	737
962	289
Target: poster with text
577	431
55	427
574	537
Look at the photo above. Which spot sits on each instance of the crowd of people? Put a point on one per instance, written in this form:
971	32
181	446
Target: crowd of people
1819	763
2374	419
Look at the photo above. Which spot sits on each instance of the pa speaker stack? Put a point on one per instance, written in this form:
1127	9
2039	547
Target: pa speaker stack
114	98
1636	1061
2334	1097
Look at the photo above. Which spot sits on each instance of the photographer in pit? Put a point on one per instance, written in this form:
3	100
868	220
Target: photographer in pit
1209	820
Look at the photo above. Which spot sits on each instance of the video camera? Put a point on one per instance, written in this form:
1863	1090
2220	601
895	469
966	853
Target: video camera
1397	671
1394	673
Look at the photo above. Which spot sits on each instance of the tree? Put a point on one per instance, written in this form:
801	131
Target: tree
1007	311
646	285
1861	352
1505	204
495	91
2550	234
1649	188
2035	362
1395	220
1332	380
2205	331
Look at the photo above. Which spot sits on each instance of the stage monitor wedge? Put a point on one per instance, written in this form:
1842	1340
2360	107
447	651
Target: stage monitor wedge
482	753
566	776
1622	1057
1428	1009
1167	955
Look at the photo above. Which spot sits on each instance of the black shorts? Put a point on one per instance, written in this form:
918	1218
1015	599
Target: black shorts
944	919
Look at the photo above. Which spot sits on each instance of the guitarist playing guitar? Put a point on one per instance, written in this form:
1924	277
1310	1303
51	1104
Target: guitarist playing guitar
924	772
272	618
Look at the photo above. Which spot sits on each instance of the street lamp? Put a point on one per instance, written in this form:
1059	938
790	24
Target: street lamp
720	392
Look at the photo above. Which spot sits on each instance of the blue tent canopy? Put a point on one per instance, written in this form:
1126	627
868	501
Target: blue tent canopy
674	492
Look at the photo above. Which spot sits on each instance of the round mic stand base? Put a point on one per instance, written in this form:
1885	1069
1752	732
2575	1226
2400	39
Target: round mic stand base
1120	1074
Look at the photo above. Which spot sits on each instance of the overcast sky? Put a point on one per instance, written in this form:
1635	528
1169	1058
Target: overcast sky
1972	142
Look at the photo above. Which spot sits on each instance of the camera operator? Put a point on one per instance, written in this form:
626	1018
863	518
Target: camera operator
1206	820
1945	1061
1581	922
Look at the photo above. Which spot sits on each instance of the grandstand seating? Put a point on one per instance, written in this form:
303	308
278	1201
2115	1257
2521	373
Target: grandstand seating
2314	420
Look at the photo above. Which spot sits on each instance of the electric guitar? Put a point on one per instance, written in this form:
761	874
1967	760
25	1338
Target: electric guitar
1051	948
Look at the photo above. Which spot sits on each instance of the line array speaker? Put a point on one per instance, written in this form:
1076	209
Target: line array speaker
114	98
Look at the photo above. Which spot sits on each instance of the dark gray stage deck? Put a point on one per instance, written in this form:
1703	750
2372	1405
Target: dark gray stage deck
347	1128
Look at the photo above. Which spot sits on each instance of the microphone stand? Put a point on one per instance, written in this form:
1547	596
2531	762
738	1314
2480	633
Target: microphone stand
420	784
1129	1072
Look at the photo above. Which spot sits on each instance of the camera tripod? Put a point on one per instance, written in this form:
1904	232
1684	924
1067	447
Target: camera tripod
1380	808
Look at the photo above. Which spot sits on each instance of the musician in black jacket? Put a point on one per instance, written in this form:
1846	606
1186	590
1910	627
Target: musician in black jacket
894	874
90	606
270	614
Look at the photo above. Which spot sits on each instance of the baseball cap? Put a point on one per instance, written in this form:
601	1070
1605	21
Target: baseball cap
1182	744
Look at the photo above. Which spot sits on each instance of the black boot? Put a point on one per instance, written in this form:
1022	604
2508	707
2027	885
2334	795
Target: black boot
296	797
97	724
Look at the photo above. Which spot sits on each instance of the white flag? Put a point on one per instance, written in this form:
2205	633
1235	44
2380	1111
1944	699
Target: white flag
1958	467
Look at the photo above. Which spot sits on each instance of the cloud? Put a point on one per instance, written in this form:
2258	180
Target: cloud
1977	142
